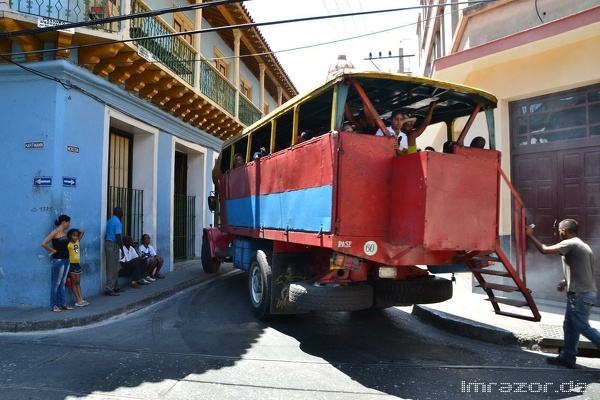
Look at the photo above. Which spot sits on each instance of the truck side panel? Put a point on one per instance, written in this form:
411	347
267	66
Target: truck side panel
448	201
291	190
364	185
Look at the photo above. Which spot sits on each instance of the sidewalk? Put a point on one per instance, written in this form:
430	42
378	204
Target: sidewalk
466	314
470	315
101	308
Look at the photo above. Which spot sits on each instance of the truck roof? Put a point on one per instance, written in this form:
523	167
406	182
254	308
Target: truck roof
388	92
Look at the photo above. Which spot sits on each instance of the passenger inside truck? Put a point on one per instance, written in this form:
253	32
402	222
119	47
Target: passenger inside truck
347	127
238	160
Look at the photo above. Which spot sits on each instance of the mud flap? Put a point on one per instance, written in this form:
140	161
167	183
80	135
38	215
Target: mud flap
288	267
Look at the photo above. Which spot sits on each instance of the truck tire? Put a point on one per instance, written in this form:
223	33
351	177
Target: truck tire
210	265
306	295
260	277
390	293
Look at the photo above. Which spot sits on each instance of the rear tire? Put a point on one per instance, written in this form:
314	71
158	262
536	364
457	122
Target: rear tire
260	277
418	291
307	296
209	264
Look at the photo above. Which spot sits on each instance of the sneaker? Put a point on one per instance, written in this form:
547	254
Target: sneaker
82	304
563	362
149	278
143	282
110	293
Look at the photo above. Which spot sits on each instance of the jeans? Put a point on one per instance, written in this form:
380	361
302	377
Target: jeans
60	271
577	315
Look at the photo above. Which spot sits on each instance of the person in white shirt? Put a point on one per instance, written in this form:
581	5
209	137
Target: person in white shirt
133	264
395	129
155	262
404	129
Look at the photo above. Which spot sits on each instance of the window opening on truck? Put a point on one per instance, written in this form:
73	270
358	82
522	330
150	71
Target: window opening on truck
316	113
241	146
260	141
283	130
226	160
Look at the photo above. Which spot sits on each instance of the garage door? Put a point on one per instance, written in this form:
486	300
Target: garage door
555	163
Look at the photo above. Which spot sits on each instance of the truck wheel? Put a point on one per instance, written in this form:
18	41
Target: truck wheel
209	264
306	295
390	293
259	284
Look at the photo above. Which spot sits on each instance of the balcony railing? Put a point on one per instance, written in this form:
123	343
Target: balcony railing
249	114
216	87
172	51
71	10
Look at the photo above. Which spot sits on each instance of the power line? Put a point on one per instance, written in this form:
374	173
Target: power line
102	21
68	85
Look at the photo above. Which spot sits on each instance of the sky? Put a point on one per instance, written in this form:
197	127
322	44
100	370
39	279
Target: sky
302	47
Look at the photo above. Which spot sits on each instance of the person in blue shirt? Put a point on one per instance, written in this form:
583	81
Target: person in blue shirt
113	246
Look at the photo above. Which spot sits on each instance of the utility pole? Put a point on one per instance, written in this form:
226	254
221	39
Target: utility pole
401	56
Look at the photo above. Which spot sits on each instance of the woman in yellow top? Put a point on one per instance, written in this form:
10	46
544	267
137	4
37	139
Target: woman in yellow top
75	235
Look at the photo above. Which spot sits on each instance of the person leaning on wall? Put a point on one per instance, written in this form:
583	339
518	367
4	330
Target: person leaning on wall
59	252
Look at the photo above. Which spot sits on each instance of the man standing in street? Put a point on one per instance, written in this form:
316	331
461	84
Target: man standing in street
578	269
113	246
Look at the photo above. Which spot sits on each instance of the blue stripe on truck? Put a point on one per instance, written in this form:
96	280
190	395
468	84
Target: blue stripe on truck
307	210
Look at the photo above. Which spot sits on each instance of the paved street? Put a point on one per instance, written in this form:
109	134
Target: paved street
205	343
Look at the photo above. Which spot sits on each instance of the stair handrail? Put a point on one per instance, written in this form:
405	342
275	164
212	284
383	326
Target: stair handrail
519	228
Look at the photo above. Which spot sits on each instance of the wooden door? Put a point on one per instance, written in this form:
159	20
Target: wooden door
556	170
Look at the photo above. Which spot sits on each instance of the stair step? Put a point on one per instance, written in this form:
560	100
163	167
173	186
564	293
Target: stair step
498	286
519	316
490	272
510	302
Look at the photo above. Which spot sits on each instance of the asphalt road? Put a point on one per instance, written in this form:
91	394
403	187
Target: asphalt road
205	343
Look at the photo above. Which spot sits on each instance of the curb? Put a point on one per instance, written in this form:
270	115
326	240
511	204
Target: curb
472	329
34	326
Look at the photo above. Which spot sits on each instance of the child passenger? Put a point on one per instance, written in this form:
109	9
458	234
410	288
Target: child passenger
75	235
155	262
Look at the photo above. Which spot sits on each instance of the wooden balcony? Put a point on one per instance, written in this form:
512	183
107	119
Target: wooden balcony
174	78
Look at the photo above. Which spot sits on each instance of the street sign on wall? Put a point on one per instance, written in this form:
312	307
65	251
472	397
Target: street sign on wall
42	181
68	181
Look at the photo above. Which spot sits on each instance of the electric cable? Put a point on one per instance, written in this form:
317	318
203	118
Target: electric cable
118	18
102	21
68	85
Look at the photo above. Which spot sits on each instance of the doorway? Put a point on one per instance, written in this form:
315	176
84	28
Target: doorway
555	162
184	227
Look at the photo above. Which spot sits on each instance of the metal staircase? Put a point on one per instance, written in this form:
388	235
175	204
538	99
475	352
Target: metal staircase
481	266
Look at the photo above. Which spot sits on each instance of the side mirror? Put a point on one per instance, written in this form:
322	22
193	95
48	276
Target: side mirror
212	203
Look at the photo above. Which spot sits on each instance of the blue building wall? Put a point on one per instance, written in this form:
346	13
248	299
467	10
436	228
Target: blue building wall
53	116
41	111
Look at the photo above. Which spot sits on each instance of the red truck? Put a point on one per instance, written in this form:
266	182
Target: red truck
327	220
